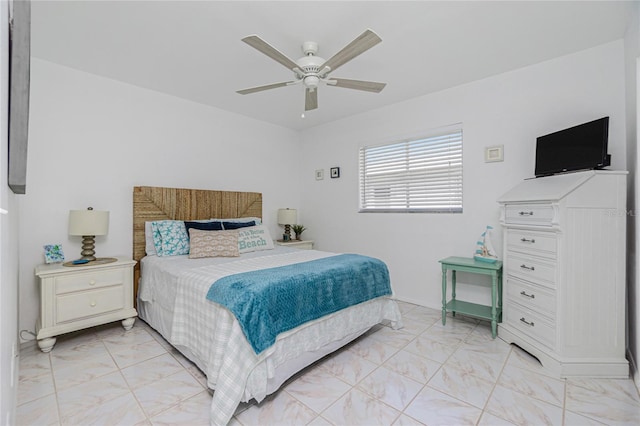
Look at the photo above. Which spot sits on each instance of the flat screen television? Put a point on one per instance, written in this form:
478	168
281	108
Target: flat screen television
581	147
19	75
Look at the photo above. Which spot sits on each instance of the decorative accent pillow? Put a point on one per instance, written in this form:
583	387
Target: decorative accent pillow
170	237
237	225
257	220
205	226
255	238
213	243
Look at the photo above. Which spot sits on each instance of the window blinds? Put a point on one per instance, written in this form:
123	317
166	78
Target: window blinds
418	175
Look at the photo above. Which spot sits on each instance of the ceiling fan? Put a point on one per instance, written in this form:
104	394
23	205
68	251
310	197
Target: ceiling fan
311	70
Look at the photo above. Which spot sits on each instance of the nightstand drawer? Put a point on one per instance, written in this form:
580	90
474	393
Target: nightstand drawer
529	214
89	280
74	306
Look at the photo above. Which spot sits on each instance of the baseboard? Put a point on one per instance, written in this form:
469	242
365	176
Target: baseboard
417	302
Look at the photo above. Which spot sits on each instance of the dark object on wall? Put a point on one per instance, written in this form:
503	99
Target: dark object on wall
335	172
19	70
582	147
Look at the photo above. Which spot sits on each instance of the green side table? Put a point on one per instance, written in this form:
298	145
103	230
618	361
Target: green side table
492	313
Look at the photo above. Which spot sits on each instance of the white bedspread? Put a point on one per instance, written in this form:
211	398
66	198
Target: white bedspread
214	336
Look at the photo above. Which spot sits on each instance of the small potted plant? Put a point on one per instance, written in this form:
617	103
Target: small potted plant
298	230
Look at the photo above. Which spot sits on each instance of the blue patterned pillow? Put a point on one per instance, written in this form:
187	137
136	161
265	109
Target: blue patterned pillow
170	237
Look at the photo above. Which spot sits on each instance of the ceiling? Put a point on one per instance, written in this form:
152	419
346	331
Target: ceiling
193	49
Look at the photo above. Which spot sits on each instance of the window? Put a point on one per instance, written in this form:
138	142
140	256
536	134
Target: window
417	175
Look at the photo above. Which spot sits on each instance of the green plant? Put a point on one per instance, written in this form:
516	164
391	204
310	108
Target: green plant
298	229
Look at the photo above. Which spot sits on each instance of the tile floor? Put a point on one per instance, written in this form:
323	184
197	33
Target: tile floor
422	374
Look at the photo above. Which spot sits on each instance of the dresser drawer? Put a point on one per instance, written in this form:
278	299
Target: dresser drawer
73	306
531	324
531	297
529	214
89	280
531	269
540	243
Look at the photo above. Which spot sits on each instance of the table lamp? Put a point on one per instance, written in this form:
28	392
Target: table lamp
287	217
87	224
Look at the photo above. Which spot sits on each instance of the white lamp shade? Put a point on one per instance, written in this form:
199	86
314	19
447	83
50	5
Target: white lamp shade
287	216
88	222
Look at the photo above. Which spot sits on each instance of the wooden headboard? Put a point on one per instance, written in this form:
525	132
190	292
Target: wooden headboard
158	203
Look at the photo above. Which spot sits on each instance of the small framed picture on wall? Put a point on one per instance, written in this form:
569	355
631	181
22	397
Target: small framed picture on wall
335	172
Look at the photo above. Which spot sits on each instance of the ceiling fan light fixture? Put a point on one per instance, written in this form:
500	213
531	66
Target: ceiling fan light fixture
311	81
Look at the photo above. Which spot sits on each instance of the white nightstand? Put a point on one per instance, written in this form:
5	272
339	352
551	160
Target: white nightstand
300	244
73	298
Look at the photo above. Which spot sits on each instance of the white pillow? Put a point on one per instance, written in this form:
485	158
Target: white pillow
254	238
149	246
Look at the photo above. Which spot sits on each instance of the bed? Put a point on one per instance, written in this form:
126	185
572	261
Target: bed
172	291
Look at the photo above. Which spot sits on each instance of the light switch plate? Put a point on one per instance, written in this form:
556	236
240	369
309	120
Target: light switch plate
494	153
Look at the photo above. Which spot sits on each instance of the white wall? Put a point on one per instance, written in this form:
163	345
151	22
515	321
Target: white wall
632	56
92	139
8	246
510	109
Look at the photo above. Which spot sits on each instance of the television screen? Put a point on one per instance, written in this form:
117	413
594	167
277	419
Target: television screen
582	147
19	52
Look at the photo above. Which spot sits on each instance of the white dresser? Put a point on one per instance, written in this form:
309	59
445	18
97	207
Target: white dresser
564	272
73	298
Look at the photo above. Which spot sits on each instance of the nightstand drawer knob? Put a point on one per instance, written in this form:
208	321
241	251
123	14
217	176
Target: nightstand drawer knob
92	282
92	304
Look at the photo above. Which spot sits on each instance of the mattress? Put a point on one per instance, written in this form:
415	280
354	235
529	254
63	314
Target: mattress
172	299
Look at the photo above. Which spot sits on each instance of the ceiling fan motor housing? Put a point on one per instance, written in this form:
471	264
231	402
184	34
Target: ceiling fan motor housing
309	48
310	64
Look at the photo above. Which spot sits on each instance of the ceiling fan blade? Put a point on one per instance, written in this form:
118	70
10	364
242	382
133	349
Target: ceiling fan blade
361	44
264	47
310	99
266	87
367	86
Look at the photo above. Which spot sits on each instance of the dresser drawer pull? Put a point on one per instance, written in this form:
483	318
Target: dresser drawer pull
530	296
92	304
525	240
532	324
92	282
526	213
530	268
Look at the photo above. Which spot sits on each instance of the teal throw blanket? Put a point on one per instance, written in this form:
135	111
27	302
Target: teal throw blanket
274	300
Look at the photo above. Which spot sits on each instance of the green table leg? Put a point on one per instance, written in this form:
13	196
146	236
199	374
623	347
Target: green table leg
453	288
500	295
444	295
494	301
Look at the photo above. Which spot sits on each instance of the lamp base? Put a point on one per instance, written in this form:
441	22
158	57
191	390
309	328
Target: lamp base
98	261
